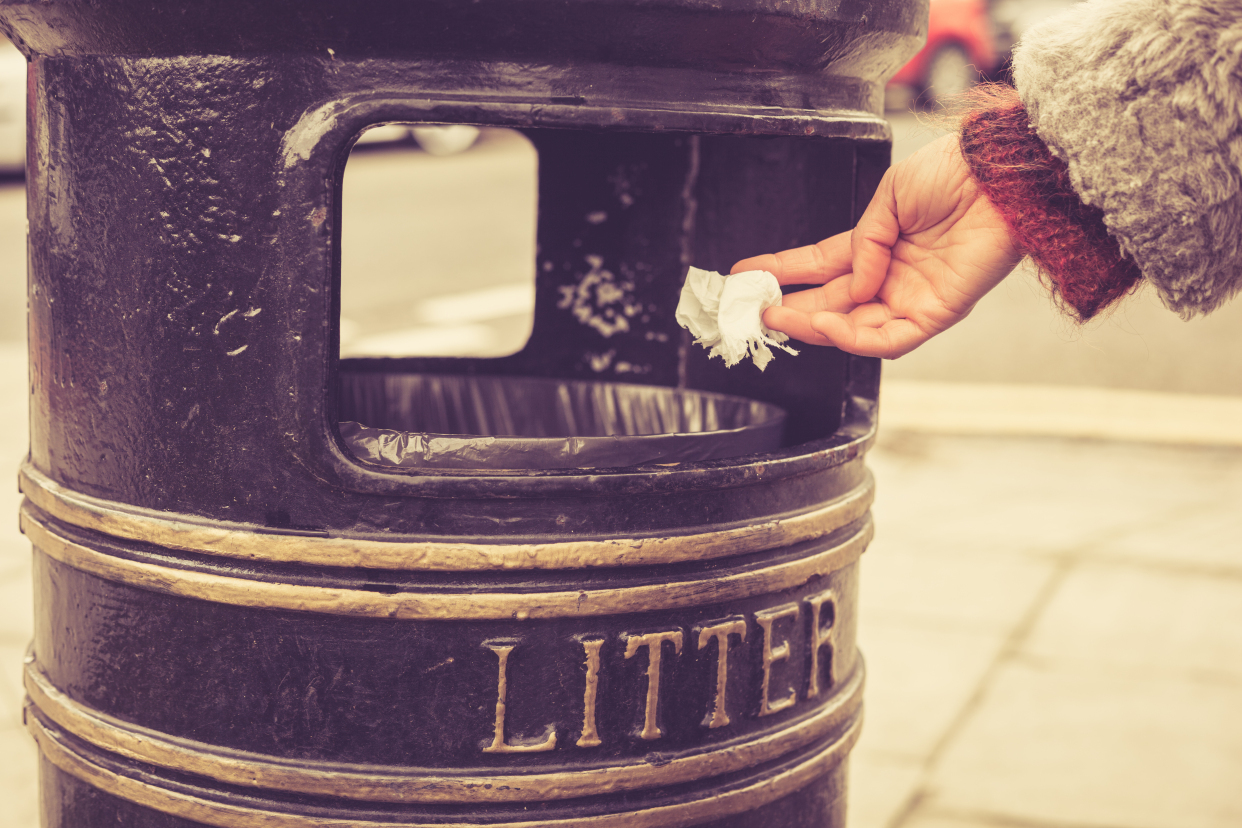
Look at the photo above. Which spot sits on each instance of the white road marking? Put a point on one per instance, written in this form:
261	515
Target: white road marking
477	305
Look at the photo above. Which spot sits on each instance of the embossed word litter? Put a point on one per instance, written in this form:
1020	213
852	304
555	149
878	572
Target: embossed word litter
819	609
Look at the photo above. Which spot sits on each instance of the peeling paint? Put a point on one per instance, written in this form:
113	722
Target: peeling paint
601	362
223	319
249	314
300	141
623	183
194	409
600	300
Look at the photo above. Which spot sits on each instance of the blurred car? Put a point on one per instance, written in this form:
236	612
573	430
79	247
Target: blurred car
960	49
437	139
12	109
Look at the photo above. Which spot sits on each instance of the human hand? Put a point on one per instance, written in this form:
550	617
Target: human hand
927	248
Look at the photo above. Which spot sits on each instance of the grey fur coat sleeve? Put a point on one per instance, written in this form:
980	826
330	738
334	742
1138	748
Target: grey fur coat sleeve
1142	99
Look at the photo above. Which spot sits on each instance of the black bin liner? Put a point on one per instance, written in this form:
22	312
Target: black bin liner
441	421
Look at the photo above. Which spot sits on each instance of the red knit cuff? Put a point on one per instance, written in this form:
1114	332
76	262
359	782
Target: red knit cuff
1030	188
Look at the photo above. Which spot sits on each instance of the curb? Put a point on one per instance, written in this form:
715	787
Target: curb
1013	410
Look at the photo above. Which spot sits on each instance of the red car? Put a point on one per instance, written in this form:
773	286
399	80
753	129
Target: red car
960	47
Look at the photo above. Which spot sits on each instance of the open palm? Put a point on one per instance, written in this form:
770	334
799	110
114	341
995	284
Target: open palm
927	248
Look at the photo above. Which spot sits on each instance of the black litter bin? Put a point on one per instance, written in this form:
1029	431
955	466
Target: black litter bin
251	613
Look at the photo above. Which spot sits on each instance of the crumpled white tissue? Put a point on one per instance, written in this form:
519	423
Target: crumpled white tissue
725	314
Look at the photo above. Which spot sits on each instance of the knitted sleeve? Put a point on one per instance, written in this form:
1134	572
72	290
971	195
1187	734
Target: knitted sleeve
1066	239
1137	108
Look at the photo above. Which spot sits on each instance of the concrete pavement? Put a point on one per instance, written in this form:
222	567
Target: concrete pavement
1054	635
17	751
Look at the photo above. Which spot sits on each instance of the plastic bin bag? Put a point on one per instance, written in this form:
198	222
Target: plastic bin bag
439	421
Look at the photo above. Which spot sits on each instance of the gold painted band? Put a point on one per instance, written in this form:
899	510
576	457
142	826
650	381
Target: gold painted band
395	784
227	815
468	605
236	540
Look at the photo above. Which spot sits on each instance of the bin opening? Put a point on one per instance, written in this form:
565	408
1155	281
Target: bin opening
445	421
469	208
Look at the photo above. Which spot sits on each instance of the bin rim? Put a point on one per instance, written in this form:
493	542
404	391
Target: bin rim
572	404
849	442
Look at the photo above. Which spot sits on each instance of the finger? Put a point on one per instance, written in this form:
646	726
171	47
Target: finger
872	241
834	296
871	315
889	341
813	264
795	323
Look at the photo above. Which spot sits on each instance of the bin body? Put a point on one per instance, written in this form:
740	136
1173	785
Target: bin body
238	623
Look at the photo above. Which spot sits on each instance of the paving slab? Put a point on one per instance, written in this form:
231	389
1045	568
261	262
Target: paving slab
1145	621
1037	495
1064	745
918	681
1122	708
18	769
17	598
941	820
939	583
12	693
1115	703
13	264
1206	536
880	788
1023	409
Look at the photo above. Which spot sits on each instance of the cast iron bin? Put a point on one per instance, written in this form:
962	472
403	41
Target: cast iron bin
239	623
